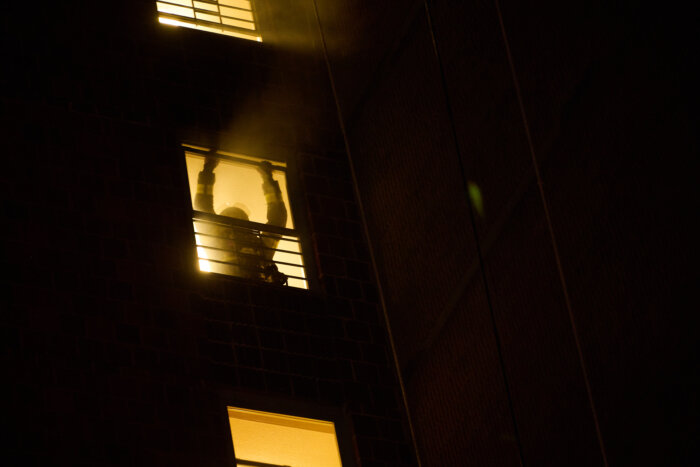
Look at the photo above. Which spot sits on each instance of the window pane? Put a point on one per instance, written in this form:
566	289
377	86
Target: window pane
209	28
207	17
174	22
180	2
238	23
206	6
283	439
236	3
237	244
238	183
175	10
236	13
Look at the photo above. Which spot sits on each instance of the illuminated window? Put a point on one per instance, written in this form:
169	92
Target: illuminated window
270	439
230	17
242	221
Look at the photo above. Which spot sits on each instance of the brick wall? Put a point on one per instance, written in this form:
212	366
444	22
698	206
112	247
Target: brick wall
117	350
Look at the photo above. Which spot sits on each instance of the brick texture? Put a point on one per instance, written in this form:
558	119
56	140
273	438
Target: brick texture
117	349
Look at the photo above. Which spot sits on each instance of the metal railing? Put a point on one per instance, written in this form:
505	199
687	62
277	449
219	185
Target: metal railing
257	464
249	250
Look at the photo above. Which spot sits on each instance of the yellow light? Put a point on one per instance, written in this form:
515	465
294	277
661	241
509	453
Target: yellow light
236	13
180	2
175	10
232	13
283	439
236	3
241	36
204	265
209	28
238	182
294	257
238	23
208	17
174	22
206	6
238	155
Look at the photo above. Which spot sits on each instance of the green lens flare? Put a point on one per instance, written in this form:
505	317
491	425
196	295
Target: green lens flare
476	199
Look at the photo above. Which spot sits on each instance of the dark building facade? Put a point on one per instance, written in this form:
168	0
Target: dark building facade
495	202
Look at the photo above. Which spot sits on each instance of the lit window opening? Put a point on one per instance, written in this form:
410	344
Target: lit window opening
235	18
242	222
273	440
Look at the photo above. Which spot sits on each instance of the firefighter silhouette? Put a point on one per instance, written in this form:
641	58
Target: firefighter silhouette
245	252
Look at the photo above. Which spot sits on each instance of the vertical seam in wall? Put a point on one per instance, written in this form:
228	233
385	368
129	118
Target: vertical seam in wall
550	228
465	186
375	270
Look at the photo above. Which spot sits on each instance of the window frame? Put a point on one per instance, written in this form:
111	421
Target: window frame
300	230
286	405
171	18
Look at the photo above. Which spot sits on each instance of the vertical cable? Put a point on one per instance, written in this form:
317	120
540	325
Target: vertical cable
482	268
375	270
557	257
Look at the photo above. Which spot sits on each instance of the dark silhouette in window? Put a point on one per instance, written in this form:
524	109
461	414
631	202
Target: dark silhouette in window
246	250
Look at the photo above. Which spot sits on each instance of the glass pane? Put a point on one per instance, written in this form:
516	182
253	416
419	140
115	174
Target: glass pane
238	183
206	6
175	10
236	13
241	249
207	17
238	23
209	29
236	3
180	2
279	439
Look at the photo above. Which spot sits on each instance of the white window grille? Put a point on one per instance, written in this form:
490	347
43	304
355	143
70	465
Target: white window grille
253	246
235	18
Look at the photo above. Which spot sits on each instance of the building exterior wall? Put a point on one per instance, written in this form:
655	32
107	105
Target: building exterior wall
117	350
550	328
576	134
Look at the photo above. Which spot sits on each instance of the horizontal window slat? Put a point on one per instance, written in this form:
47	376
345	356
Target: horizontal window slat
230	221
206	6
238	23
207	17
175	10
218	28
179	2
236	13
244	4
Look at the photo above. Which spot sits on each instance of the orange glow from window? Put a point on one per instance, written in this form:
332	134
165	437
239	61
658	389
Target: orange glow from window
243	4
206	6
174	22
238	184
204	265
228	17
175	10
236	13
283	439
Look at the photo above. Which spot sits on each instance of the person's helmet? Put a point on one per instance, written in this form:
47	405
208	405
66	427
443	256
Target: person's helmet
235	212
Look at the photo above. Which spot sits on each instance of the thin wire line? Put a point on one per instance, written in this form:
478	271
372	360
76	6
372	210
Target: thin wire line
472	219
375	270
550	227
